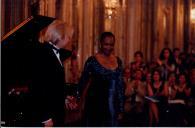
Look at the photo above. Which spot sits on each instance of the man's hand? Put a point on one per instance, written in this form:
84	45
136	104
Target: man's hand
48	123
71	103
120	116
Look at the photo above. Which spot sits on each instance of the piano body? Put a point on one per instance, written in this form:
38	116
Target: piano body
18	52
17	48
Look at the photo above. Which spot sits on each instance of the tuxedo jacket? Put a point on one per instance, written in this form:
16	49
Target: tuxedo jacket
48	86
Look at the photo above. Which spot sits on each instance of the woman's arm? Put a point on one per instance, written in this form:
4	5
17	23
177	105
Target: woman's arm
187	91
153	107
165	91
150	92
120	88
142	90
85	76
170	68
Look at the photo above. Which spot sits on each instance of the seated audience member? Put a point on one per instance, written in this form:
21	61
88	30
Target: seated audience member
191	59
166	62
178	103
137	63
172	87
159	91
192	82
135	102
171	84
191	104
126	75
183	66
176	53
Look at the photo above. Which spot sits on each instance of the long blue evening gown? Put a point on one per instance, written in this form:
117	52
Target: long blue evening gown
105	95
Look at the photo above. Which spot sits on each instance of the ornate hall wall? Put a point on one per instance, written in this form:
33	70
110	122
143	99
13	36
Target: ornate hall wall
146	25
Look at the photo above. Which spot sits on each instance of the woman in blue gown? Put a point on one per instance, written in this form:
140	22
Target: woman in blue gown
104	99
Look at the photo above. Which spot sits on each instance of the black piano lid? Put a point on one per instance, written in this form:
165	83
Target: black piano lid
31	26
18	47
25	35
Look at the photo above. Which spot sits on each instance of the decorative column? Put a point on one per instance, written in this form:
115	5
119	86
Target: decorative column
147	21
42	8
192	38
67	12
178	24
51	8
3	18
98	24
159	28
130	32
168	18
47	7
88	28
80	6
25	9
86	37
187	23
117	27
134	28
124	36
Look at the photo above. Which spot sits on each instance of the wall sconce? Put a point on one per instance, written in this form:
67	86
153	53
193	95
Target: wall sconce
193	15
111	8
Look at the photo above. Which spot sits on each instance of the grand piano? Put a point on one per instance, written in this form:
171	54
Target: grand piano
18	47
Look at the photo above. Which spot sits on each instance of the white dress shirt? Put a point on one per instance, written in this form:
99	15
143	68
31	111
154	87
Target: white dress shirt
56	53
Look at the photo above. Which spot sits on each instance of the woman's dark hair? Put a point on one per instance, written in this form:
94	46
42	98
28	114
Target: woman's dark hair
106	34
183	56
171	59
176	49
139	70
171	73
138	53
186	77
159	72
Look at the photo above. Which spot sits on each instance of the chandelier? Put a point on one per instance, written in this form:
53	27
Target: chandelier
111	8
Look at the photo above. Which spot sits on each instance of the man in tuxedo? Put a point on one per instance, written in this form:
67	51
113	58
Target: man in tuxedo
48	78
